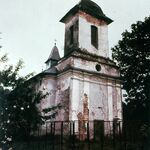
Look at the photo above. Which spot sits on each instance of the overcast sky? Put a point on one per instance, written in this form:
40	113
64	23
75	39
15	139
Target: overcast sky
29	27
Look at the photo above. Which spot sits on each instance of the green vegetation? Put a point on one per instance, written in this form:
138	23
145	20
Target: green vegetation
19	100
132	54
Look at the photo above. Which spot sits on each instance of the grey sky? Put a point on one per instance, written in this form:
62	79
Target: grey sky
29	27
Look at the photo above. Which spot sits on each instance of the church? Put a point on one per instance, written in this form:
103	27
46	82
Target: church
85	81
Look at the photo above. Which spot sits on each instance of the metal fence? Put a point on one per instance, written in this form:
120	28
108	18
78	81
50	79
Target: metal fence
84	135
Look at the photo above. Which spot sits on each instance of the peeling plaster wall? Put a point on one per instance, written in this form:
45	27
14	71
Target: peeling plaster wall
117	98
82	28
87	65
75	101
110	102
59	93
83	97
90	66
73	21
85	31
65	64
103	104
48	85
69	88
63	96
98	102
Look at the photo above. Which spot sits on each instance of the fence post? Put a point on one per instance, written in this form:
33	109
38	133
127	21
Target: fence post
73	135
70	132
114	135
88	136
38	138
120	135
53	134
102	134
61	135
46	137
124	135
51	131
70	129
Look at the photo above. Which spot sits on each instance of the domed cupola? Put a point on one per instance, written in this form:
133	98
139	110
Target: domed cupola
86	28
90	8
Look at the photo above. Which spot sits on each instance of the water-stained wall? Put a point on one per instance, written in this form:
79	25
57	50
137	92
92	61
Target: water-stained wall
104	98
85	22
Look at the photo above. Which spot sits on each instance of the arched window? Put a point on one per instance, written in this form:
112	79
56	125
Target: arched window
94	36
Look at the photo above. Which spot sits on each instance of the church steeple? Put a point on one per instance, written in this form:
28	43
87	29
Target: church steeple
86	27
53	57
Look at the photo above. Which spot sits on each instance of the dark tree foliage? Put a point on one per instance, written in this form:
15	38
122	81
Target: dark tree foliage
19	100
132	54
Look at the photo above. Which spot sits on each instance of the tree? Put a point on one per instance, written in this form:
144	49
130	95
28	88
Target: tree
18	103
19	99
132	54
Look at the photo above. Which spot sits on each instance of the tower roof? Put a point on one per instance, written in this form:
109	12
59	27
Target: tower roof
90	8
54	55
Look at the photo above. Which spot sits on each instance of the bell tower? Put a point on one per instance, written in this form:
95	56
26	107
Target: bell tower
86	28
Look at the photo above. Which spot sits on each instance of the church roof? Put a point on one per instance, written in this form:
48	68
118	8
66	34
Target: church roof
54	54
90	8
52	70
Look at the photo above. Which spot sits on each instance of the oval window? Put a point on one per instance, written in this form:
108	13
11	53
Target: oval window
98	67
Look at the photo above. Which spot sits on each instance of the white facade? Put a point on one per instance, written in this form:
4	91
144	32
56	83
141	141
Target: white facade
68	88
83	90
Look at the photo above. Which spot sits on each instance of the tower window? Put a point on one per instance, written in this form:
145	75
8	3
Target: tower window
94	36
71	35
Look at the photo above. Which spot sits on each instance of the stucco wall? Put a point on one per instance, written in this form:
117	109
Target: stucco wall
90	66
48	84
85	37
103	104
59	93
73	21
63	96
70	87
82	34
